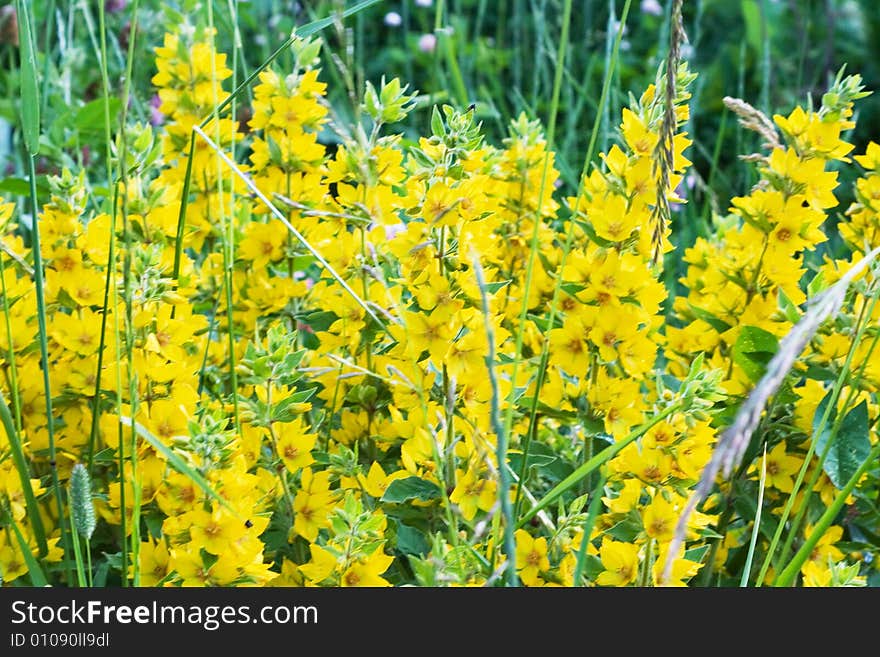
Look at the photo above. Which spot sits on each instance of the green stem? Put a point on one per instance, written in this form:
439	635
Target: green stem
44	361
13	367
89	562
535	245
795	528
77	554
756	527
786	577
569	238
602	457
842	377
21	465
122	175
589	523
647	564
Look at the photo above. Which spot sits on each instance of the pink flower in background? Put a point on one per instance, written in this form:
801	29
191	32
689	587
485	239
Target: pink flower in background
683	189
393	19
427	43
156	117
652	7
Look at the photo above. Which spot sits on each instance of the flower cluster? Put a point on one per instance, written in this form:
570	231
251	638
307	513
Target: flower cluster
299	351
745	287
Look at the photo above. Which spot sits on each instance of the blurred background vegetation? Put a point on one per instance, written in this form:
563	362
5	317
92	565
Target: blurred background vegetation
498	54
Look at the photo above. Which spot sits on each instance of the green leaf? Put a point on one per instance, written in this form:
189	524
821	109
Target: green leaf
592	567
792	314
543	323
718	324
411	488
285	410
816	285
437	123
319	320
534	460
753	350
21	187
849	448
591	233
819	373
696	553
30	94
410	540
627	529
573	288
545	458
495	286
90	117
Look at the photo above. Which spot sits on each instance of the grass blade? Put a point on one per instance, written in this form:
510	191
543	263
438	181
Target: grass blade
30	94
786	577
501	436
31	128
602	457
24	474
300	32
732	445
177	461
38	578
592	514
756	529
299	236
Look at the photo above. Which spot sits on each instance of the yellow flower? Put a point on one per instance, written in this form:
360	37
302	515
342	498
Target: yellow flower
568	348
368	571
825	548
531	557
86	289
312	504
192	570
79	332
637	135
215	531
612	220
294	444
627	497
621	563
153	559
376	482
682	569
263	243
321	565
12	563
428	333
473	492
781	468
659	519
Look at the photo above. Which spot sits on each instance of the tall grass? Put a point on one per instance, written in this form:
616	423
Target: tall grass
610	66
30	106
